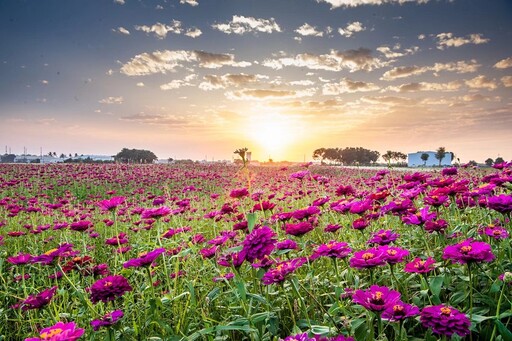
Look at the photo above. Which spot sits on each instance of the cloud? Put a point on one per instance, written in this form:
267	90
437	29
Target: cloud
190	2
112	100
214	82
121	30
193	32
426	86
507	81
306	82
168	60
44	81
393	53
140	84
351	28
266	94
352	60
160	30
389	100
241	25
347	86
407	71
308	30
157	119
481	82
119	2
355	3
445	40
174	84
504	63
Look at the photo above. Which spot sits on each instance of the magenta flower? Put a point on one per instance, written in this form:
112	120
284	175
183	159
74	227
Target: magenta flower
333	249
145	259
298	337
259	243
332	227
359	207
445	320
299	175
263	206
439	225
400	311
111	204
368	258
81	225
305	213
383	237
224	277
208	252
298	229
281	270
420	217
37	301
107	320
393	254
155	213
239	193
436	200
20	259
496	232
287	244
420	266
333	338
469	251
377	298
501	203
109	288
59	332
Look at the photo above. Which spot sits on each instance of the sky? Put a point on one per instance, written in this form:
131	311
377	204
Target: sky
198	79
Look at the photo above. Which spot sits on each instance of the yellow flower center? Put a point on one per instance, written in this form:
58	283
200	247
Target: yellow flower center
107	284
378	295
49	252
496	232
142	254
392	252
368	255
49	334
419	264
446	311
466	249
398	308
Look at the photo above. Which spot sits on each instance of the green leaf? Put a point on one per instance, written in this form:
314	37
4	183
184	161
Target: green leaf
504	332
479	318
320	330
436	284
251	221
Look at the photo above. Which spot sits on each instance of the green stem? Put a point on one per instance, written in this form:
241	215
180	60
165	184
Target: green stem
498	310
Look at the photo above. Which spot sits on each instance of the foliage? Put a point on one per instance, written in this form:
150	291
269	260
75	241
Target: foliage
135	156
7	158
440	154
347	156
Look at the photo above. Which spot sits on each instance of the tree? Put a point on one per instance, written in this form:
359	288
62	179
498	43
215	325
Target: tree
7	158
62	156
319	154
440	154
242	153
489	162
425	157
499	159
135	156
388	156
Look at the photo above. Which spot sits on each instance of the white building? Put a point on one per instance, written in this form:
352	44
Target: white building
414	159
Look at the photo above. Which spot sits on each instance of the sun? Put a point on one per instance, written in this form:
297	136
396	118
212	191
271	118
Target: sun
273	133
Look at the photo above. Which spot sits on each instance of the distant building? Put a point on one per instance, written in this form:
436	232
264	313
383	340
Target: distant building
37	159
94	157
414	159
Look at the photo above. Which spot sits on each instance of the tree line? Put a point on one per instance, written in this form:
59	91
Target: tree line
347	156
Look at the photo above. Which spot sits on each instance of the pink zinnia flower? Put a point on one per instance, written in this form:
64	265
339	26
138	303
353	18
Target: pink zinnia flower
20	259
107	320
376	298
383	237
420	266
145	259
298	229
111	204
59	332
239	193
400	311
109	288
155	213
259	243
333	249
368	258
281	270
469	251
37	301
445	320
394	254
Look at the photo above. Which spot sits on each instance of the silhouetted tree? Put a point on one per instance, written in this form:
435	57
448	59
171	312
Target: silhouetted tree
7	158
135	156
425	157
489	162
499	159
440	154
242	153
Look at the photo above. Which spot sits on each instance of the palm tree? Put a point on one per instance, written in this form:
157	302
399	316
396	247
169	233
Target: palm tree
440	154
425	157
242	152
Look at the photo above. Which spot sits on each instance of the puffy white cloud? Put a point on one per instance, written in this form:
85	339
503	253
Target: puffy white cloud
393	53
306	82
190	2
241	25
112	100
507	81
481	82
407	71
168	60
504	63
351	28
44	81
171	120
265	94
140	84
347	86
447	39
355	3
160	30
352	60
426	86
119	2
213	82
174	84
193	32
121	30
308	30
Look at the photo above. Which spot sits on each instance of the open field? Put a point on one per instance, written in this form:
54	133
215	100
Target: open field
215	252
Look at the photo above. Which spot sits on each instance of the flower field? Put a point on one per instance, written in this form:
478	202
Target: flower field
215	252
